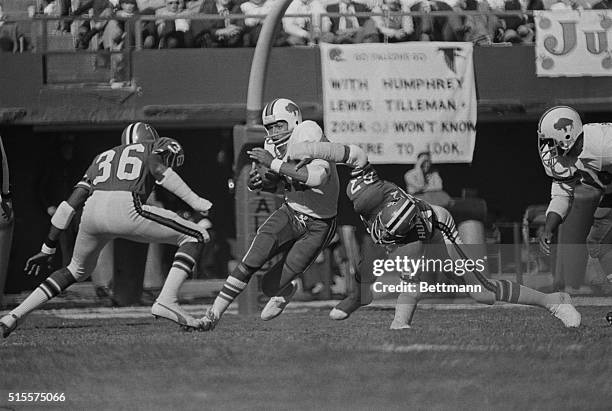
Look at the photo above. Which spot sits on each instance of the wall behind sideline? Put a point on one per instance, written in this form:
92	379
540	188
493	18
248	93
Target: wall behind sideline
208	87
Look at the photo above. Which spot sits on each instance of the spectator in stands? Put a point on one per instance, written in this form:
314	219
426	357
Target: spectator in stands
299	28
478	29
173	33
253	25
148	7
96	9
224	32
425	182
515	29
115	38
561	5
11	39
349	28
149	28
436	28
394	28
64	8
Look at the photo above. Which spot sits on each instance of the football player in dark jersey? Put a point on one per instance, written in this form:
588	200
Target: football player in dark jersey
408	226
112	194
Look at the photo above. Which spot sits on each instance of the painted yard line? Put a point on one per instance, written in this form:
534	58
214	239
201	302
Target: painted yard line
392	348
297	307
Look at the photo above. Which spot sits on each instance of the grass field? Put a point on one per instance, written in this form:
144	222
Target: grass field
492	358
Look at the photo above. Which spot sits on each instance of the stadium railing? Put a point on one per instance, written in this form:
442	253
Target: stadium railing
42	23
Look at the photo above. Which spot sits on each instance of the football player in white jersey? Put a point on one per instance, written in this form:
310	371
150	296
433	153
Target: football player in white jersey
574	153
300	228
409	227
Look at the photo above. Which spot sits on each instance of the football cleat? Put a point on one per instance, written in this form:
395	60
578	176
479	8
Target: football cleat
345	308
8	323
277	304
338	315
565	311
209	321
174	313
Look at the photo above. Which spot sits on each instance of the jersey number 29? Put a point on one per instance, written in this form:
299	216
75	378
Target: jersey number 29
105	164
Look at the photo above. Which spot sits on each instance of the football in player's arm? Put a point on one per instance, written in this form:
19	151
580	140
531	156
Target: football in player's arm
407	226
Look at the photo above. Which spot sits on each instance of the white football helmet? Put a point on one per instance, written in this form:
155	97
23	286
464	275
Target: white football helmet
558	129
281	109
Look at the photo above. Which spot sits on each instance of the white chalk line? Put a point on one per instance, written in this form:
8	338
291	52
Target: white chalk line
412	348
299	307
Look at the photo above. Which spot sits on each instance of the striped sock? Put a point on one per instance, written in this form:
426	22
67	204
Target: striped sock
231	289
508	291
49	288
181	268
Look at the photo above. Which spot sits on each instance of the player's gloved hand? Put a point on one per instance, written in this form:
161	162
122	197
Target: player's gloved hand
37	262
255	180
303	162
261	156
545	240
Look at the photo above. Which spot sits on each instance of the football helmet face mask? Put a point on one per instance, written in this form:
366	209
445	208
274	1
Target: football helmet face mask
138	133
558	130
172	153
394	221
278	111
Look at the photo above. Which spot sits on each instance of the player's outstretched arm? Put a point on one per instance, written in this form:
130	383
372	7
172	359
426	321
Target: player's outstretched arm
171	181
351	155
313	175
562	196
59	222
553	221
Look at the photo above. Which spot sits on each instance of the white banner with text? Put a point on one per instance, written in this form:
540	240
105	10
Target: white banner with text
397	100
573	43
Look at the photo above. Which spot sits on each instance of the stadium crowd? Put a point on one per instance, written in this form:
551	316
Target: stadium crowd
229	23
